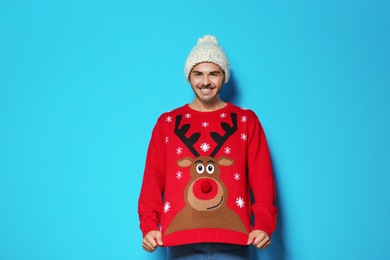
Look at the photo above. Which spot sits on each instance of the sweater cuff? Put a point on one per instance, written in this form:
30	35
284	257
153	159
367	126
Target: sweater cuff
264	228
149	228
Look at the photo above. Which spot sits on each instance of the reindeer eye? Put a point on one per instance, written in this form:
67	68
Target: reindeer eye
210	168
200	168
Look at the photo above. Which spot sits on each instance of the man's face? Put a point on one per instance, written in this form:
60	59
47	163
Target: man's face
206	81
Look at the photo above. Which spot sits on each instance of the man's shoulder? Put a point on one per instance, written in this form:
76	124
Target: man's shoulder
168	115
243	110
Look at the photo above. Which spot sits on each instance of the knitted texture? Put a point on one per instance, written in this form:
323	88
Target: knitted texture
207	50
199	170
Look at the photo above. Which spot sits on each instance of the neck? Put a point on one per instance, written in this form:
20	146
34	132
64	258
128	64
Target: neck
198	105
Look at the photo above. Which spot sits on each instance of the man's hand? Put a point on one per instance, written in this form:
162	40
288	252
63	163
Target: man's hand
259	239
152	240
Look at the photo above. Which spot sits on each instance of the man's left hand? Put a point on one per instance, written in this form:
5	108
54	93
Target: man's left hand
259	239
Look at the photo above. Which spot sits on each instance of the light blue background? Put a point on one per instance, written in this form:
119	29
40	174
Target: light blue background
83	82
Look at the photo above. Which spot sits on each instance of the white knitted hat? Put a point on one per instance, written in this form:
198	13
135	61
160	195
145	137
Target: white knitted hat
207	50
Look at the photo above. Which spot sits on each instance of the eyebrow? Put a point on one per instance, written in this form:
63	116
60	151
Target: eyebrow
201	72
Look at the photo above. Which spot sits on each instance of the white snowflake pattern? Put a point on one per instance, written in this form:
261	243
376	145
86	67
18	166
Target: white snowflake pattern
237	176
188	115
244	118
166	139
240	202
228	150
222	115
244	136
204	147
179	150
179	174
168	119
205	124
167	206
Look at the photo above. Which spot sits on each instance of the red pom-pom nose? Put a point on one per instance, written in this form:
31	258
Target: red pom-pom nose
206	186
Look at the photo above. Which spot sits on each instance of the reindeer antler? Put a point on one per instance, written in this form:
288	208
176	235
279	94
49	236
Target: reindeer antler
181	133
229	130
220	140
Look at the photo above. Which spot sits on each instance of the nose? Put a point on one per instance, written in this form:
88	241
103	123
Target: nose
206	81
205	189
206	186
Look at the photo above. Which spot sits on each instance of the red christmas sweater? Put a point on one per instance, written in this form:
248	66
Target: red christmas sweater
199	170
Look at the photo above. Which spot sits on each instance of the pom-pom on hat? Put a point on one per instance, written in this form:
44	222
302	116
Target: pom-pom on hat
207	50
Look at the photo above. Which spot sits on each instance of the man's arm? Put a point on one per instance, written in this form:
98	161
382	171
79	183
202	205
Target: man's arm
150	199
262	182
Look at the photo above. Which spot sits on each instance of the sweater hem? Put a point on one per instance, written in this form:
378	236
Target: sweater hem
205	236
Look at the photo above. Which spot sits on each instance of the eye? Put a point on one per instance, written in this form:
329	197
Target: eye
200	168
210	168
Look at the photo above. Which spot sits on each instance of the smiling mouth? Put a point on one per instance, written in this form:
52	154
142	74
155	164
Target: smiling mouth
206	91
215	206
206	87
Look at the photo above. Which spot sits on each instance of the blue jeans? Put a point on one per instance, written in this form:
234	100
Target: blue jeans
205	251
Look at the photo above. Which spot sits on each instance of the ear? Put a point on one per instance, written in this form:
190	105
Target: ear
185	162
225	161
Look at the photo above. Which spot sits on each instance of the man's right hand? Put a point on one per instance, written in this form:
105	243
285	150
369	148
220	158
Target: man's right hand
152	240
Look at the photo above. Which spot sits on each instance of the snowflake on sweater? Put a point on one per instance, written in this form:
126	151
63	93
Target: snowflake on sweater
237	176
222	115
188	115
179	175
204	147
205	124
244	119
166	139
179	150
167	206
244	137
168	119
228	150
240	202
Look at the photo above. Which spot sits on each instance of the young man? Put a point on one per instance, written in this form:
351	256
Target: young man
203	160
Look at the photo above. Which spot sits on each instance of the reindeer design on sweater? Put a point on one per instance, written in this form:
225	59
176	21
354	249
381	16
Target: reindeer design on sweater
205	194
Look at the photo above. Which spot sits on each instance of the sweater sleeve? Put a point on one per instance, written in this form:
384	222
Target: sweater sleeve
150	199
261	180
